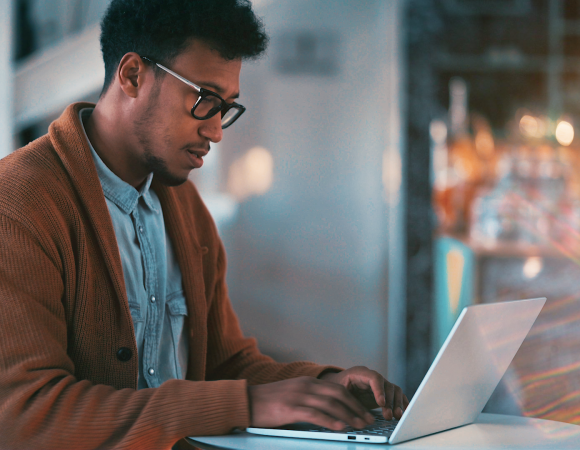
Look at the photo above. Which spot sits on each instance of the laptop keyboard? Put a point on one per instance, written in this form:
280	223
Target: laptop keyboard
381	427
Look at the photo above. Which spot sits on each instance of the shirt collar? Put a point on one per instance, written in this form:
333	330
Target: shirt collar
125	196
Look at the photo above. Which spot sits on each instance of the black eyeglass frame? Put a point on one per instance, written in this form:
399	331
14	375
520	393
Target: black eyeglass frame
203	93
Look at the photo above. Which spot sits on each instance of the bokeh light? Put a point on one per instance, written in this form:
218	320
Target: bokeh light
529	125
564	133
252	174
532	267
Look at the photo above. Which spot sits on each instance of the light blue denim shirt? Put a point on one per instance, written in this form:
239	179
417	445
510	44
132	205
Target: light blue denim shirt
152	276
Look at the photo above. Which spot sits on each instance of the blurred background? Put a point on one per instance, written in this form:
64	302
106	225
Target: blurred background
399	160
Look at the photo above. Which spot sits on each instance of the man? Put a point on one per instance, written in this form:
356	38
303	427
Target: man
116	327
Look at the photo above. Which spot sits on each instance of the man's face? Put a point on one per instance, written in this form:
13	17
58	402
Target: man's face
171	142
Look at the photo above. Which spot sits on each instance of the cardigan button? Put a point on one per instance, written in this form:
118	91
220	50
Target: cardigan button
124	354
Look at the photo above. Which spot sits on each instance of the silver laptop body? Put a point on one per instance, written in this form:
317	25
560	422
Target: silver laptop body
464	374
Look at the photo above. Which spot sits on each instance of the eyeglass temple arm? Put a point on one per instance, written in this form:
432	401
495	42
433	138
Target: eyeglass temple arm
179	77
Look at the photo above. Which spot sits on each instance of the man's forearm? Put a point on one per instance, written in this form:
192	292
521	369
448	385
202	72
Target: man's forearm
78	415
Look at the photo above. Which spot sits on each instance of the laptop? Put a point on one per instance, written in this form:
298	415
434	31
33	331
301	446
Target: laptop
464	374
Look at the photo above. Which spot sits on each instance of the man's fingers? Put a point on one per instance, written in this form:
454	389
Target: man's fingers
389	395
337	409
377	382
325	403
370	381
387	413
317	417
339	392
396	402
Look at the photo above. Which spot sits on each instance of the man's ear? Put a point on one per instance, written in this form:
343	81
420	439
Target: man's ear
131	73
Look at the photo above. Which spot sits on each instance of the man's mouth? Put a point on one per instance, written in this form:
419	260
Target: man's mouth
198	153
196	157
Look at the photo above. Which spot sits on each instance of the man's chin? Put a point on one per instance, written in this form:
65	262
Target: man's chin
168	179
161	172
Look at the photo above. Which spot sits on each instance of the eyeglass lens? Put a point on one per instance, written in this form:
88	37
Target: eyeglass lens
229	117
209	105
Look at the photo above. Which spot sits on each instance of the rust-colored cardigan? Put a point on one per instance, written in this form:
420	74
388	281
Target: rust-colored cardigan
64	313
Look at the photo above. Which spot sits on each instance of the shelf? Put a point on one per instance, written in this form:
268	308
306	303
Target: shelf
506	249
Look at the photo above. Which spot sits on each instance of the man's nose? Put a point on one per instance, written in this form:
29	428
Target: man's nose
212	128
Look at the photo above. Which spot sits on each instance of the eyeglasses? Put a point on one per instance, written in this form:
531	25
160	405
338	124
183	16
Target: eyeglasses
208	103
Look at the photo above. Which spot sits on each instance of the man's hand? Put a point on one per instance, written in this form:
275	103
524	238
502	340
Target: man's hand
372	390
306	399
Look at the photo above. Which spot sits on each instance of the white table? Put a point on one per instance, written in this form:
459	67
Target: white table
490	431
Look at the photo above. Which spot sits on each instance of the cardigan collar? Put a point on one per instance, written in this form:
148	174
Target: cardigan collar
71	145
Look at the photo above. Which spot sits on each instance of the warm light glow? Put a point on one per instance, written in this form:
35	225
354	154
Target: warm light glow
564	133
484	144
455	275
532	267
530	126
252	174
463	168
438	131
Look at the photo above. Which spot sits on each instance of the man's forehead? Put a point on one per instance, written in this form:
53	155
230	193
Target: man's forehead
209	69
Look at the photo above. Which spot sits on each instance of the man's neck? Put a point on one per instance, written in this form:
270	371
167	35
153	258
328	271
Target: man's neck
104	132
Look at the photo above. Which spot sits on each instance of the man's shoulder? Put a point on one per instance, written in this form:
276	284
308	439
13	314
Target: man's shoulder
32	179
30	163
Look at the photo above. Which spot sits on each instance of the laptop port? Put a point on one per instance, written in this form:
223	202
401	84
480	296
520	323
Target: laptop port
352	437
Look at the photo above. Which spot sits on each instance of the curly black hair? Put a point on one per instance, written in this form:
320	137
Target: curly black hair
162	29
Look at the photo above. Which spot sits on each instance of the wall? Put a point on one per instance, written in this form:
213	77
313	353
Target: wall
309	258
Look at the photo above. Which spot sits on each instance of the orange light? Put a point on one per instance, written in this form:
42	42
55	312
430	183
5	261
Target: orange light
530	126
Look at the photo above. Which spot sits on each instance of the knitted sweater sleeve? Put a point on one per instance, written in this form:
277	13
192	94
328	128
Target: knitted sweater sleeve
43	405
232	356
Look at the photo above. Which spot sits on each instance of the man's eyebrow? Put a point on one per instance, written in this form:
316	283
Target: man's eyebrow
216	88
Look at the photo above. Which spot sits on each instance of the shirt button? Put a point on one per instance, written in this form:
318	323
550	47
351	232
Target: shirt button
151	372
152	299
141	229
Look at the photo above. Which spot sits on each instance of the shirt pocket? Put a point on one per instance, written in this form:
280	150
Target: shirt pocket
176	312
176	304
135	309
